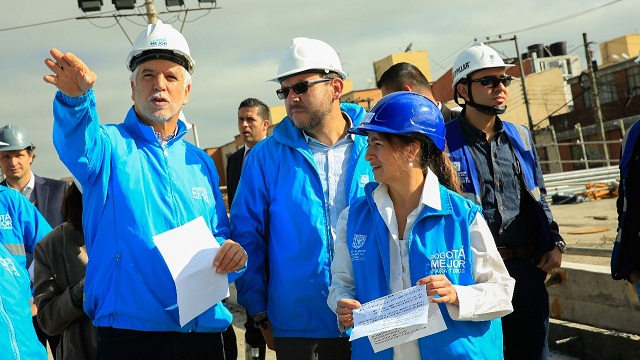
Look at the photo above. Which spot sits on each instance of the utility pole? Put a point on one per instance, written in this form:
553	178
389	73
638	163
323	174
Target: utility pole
524	86
596	100
152	16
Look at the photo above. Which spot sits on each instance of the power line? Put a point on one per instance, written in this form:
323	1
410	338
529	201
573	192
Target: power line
38	24
559	20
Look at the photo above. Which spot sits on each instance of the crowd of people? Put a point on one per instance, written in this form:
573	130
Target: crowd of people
337	208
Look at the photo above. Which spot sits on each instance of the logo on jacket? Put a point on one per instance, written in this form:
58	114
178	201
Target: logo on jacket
358	241
364	180
452	261
9	265
464	178
357	253
5	222
200	193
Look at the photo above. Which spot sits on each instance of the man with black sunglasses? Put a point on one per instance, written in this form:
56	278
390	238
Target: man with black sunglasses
487	152
293	188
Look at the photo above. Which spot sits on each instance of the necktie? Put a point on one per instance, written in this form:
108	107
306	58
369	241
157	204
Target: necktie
245	157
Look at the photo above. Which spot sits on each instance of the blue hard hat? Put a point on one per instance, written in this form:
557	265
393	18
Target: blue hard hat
405	113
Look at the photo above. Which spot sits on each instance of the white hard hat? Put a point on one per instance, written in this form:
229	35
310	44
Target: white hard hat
308	54
478	57
160	41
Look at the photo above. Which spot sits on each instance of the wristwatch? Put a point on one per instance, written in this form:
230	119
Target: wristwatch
262	322
561	245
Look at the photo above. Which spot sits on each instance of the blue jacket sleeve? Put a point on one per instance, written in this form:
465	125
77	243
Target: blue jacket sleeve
249	227
219	221
78	137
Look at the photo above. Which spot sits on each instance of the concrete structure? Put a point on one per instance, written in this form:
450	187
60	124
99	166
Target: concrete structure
418	58
619	49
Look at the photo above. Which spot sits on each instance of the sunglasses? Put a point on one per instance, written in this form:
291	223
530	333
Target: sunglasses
494	81
299	88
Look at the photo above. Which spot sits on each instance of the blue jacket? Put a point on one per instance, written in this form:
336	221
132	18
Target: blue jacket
21	224
279	213
18	338
370	259
626	250
133	189
530	174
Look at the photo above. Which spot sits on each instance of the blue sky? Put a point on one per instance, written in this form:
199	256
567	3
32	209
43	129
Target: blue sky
237	47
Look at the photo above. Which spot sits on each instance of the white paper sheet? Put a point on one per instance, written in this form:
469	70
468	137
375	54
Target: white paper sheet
398	310
387	339
189	251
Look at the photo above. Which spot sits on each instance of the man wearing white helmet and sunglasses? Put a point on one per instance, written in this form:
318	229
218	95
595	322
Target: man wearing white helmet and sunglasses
487	152
141	179
292	190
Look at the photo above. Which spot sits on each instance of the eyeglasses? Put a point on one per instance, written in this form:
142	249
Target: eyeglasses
494	81
299	88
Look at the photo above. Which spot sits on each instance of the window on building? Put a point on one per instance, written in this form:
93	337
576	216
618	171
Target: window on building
633	78
607	89
586	87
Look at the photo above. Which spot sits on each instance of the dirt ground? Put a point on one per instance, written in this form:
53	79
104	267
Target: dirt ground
239	317
592	215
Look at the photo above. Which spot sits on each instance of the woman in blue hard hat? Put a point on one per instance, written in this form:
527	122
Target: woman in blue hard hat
413	228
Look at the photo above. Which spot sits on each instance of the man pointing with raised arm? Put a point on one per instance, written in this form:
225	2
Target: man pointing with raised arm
140	179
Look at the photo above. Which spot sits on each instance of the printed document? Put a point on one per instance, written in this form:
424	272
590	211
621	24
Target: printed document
397	318
189	251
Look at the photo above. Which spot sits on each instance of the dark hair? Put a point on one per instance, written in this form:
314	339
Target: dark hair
404	73
263	109
430	156
72	207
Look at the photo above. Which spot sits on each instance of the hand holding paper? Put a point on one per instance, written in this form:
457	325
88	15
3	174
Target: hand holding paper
231	257
441	286
189	252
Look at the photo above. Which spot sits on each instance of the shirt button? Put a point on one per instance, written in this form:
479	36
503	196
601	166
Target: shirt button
398	277
166	153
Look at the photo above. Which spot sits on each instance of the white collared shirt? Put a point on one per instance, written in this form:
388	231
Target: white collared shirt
332	163
27	189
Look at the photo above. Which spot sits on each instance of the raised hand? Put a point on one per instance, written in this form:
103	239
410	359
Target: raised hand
71	75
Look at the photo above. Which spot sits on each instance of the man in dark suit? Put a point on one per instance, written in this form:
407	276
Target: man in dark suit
46	194
407	77
253	122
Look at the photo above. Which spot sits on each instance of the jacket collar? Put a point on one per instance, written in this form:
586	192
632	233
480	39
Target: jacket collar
145	132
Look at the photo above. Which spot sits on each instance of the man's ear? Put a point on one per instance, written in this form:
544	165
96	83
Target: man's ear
463	91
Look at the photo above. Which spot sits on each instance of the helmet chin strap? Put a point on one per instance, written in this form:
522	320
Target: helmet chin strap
489	110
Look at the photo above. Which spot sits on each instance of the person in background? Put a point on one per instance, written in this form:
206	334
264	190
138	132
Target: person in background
253	122
21	225
407	77
18	338
625	257
388	239
16	158
499	168
140	178
293	187
61	261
